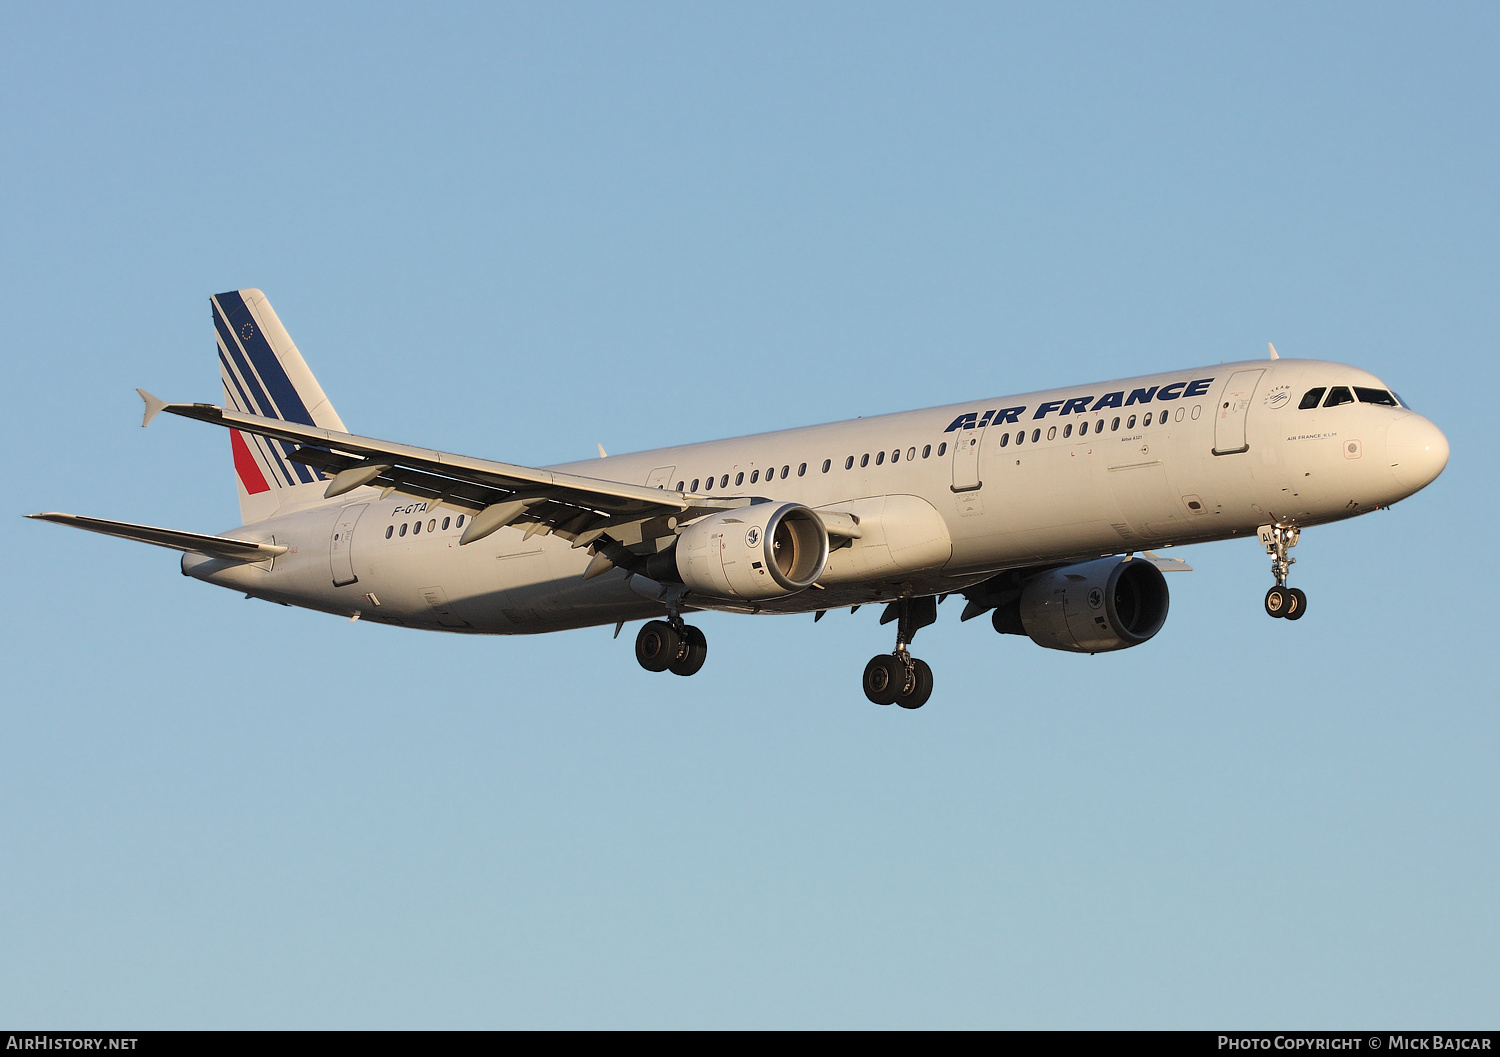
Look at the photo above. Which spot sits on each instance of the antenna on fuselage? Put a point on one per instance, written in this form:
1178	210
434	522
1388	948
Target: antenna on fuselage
1274	354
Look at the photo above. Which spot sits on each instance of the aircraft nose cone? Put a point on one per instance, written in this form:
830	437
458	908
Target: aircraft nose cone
1418	451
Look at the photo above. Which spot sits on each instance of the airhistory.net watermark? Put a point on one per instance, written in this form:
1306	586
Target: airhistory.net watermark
69	1042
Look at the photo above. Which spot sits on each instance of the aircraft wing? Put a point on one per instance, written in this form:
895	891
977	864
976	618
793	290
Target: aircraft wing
213	546
577	508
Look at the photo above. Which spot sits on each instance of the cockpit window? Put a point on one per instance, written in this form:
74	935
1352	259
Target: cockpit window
1401	401
1374	396
1339	394
1311	397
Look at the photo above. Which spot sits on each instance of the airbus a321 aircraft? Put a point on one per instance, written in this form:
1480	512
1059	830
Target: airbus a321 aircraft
1031	507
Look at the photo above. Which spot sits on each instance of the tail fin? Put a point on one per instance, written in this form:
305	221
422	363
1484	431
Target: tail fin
264	374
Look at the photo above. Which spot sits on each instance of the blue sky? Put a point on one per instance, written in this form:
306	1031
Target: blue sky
520	231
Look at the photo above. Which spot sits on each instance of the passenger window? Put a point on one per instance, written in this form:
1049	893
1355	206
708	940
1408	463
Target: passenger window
1052	433
432	525
680	485
1178	417
896	455
725	482
739	478
1036	435
864	460
802	470
911	453
1067	431
1130	422
445	524
1099	426
1147	420
1339	394
879	458
942	449
784	471
460	522
389	529
708	484
754	476
1374	396
1083	427
1115	424
1311	397
695	484
1021	437
1004	440
926	450
403	531
416	529
827	465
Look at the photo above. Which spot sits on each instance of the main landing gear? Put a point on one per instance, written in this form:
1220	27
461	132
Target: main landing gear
671	646
1281	600
899	678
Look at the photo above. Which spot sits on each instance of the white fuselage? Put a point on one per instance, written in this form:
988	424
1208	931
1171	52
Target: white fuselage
949	496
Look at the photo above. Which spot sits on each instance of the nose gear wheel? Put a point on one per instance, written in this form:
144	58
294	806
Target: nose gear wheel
1288	602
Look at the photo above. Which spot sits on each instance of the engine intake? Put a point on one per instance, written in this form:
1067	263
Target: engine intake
766	550
1092	607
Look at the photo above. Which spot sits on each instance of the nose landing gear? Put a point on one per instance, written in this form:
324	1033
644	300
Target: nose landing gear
898	678
1281	600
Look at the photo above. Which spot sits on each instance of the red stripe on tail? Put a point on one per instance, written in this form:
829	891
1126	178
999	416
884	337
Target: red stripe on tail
253	481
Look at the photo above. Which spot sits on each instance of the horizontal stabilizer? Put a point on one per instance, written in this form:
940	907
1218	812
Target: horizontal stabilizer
213	546
154	404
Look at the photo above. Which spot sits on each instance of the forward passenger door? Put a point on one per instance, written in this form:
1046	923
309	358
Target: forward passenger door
966	445
1234	403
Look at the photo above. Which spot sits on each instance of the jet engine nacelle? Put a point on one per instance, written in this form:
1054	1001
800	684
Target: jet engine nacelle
765	550
1093	607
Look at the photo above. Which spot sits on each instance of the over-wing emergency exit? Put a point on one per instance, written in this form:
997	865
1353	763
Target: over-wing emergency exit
1032	507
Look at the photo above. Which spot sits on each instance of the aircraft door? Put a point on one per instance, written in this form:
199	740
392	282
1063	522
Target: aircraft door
1234	402
340	545
966	444
661	477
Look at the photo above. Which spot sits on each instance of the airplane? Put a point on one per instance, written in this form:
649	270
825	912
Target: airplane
1041	509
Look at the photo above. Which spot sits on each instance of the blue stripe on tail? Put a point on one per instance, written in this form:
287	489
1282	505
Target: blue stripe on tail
266	445
255	402
240	336
289	406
